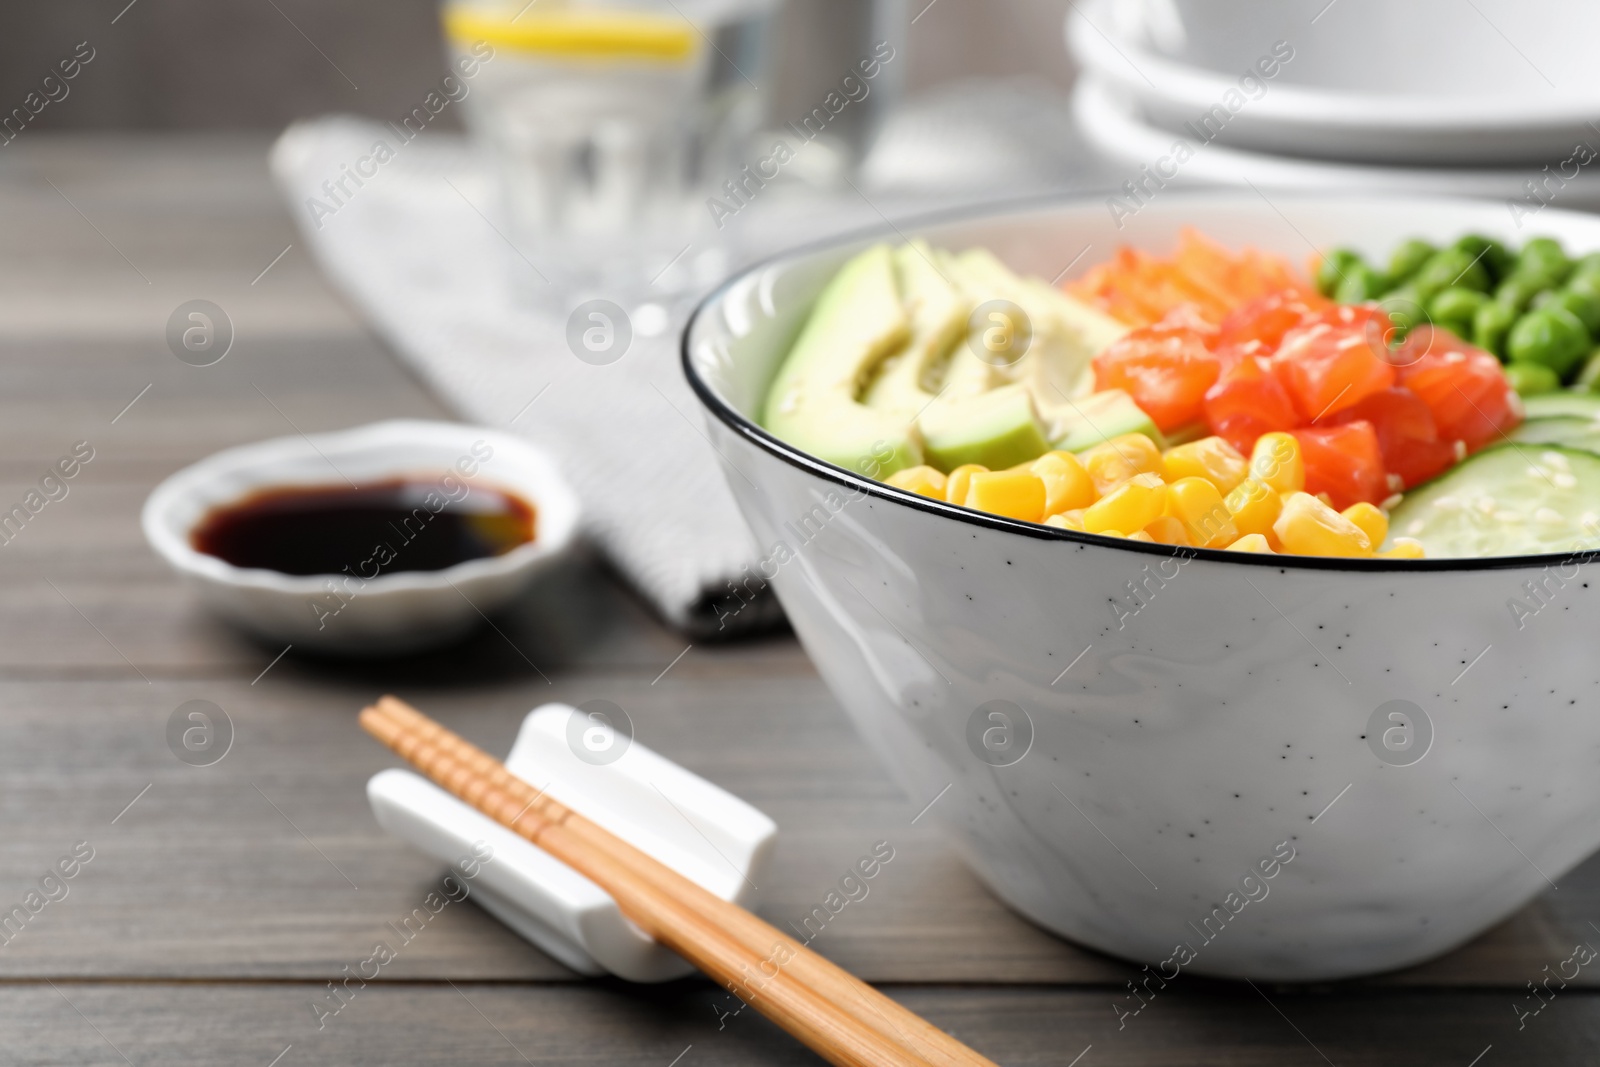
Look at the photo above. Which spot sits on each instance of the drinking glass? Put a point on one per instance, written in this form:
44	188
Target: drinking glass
606	122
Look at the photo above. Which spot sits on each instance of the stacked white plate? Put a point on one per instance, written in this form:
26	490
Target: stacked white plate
1467	97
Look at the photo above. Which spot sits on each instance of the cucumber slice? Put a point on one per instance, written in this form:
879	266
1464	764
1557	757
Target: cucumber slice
1510	500
1546	405
1571	430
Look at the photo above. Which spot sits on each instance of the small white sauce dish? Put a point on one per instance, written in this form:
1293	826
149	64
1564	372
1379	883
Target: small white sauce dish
347	613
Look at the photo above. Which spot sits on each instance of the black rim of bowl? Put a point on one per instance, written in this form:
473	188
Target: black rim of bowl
766	441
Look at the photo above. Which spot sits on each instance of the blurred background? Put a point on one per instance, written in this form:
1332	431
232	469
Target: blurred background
255	65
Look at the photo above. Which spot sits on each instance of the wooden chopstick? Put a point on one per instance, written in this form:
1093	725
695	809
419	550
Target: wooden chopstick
780	996
841	1018
867	1005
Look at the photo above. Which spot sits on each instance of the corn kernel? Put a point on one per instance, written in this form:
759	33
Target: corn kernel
1133	505
1140	535
1196	503
1404	548
1071	519
1373	522
1308	527
1113	462
1014	494
1066	520
1276	461
1254	507
1066	484
1252	543
924	481
955	485
1211	458
1168	531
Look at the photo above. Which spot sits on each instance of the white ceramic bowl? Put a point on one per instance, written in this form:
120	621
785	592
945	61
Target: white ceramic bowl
1113	127
1162	754
391	613
1426	81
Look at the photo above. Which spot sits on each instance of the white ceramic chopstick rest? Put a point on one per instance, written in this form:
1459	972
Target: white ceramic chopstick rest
704	832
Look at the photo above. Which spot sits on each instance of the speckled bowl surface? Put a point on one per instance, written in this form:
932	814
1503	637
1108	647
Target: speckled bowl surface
1269	767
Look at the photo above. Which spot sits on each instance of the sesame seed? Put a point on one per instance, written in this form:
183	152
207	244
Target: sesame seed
1507	515
1416	527
1447	503
1548	516
1556	460
1564	480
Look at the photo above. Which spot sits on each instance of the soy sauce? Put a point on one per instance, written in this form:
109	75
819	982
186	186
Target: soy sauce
403	524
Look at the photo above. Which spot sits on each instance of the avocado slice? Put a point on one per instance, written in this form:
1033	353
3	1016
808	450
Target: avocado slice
857	322
998	429
1056	368
965	410
938	313
886	372
1101	416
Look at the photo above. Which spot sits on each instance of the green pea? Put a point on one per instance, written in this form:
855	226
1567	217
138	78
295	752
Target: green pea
1586	281
1552	336
1451	267
1589	264
1405	310
1407	259
1489	252
1543	259
1531	379
1335	265
1454	309
1588	379
1518	291
1490	324
1585	305
1359	284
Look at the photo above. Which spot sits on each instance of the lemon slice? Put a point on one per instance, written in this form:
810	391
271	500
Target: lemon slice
590	33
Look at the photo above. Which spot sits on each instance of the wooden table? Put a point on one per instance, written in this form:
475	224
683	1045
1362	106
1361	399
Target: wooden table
221	900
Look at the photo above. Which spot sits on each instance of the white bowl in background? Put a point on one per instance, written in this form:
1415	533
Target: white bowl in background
1110	124
1151	759
391	613
1425	81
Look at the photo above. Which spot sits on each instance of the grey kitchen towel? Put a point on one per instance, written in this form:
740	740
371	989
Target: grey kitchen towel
417	249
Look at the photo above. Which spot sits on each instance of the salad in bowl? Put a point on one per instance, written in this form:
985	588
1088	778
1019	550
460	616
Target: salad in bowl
1219	573
1220	399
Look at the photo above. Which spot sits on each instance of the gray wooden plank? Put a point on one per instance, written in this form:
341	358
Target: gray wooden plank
69	617
203	877
1191	1023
